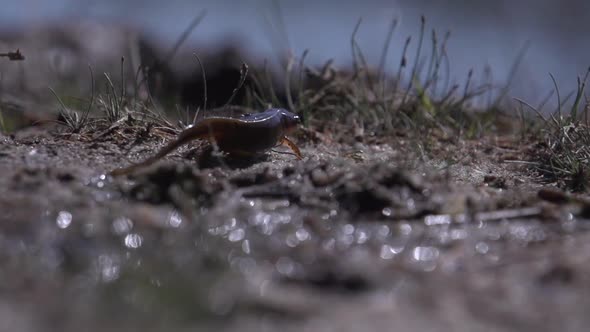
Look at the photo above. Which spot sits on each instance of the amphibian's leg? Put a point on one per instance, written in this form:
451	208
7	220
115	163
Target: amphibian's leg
292	146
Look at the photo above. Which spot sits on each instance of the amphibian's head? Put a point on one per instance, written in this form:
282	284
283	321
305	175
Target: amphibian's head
289	120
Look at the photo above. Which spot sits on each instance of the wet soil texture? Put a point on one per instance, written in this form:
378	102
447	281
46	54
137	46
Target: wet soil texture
354	237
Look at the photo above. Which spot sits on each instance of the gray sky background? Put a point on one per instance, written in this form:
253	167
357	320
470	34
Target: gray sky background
483	32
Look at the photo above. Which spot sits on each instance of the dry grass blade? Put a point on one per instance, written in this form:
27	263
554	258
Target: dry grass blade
416	60
243	76
277	32
579	95
112	103
512	74
558	96
204	85
402	66
386	45
194	23
355	66
269	79
289	69
158	64
301	70
539	114
434	78
71	119
430	73
545	101
87	112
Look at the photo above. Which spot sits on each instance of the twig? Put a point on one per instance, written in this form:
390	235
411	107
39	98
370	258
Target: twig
13	56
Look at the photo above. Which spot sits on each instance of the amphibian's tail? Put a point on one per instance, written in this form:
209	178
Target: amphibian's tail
185	137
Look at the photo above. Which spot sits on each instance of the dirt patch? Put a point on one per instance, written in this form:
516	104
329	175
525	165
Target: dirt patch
354	236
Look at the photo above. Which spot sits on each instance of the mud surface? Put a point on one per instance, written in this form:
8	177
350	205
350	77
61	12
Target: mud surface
364	236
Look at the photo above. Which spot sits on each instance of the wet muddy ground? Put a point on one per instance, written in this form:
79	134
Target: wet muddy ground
356	236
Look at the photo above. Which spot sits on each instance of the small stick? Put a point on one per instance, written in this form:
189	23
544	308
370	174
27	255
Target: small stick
13	56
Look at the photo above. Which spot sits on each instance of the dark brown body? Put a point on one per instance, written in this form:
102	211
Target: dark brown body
246	135
238	136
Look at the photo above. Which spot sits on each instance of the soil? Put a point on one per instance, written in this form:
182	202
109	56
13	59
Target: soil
363	234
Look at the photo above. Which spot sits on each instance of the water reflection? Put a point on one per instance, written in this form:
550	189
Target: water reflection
236	235
482	248
425	253
263	242
133	241
174	219
109	269
64	219
122	225
285	266
388	252
246	247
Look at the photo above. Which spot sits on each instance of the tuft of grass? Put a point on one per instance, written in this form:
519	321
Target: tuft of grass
76	122
408	98
114	103
109	107
564	155
71	119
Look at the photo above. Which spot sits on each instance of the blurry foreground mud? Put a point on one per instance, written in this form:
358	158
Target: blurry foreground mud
354	237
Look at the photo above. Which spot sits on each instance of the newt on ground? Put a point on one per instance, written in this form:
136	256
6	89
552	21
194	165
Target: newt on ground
246	135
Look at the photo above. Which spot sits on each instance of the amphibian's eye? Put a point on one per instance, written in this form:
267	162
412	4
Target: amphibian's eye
289	120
